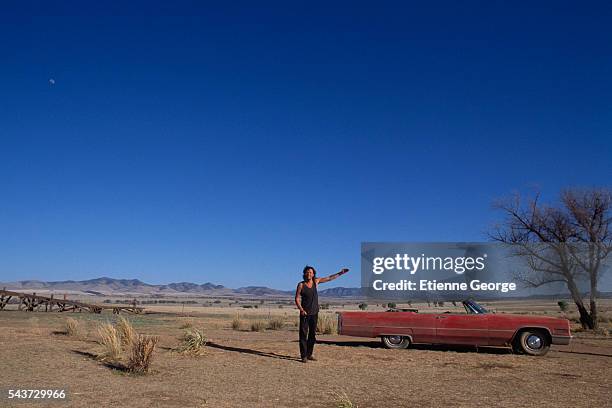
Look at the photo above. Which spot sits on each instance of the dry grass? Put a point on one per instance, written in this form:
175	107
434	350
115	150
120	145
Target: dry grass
72	327
258	325
327	324
126	331
186	324
237	323
343	401
109	339
276	323
141	354
193	342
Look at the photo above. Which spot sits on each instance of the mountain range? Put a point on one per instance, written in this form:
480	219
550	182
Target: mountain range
111	286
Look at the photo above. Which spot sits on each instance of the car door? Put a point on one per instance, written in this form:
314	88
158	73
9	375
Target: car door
466	328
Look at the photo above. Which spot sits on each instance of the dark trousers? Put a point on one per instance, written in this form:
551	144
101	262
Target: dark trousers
308	330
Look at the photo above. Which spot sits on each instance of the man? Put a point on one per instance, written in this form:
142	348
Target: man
307	301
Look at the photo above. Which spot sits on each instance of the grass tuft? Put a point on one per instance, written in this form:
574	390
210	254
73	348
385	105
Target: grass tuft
343	401
327	324
186	324
126	331
141	354
237	323
193	342
276	323
258	325
72	327
109	339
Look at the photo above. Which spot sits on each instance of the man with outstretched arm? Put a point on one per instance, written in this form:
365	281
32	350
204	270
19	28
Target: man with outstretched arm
307	301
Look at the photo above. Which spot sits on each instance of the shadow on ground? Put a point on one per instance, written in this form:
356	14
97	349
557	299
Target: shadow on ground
111	365
252	351
431	347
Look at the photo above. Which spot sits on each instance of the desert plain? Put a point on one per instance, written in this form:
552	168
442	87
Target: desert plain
246	366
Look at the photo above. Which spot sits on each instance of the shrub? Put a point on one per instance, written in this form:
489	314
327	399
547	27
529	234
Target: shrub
363	306
141	354
562	305
126	331
193	341
72	327
258	325
391	305
236	323
276	323
327	324
110	341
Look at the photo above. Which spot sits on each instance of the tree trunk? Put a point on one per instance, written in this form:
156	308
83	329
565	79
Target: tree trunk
594	314
585	318
593	299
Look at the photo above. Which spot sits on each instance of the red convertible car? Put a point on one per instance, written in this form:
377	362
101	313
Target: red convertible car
531	335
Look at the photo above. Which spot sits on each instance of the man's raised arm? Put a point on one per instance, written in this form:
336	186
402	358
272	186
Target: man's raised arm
332	277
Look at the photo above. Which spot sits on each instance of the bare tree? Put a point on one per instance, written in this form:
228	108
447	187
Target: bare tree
568	243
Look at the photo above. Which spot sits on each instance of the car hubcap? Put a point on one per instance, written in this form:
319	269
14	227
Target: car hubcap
395	339
534	342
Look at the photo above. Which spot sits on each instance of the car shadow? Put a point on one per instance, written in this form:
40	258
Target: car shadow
251	351
429	347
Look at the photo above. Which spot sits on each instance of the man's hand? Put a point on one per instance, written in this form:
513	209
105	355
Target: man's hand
303	312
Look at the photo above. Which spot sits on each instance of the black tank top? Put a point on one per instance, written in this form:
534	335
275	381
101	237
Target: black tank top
310	299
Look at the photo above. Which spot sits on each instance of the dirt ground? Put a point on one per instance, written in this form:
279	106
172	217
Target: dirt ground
261	369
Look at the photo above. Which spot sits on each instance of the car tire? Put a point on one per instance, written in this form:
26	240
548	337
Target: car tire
533	342
395	342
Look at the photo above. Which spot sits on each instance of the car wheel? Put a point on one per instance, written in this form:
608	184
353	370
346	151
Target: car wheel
533	342
396	342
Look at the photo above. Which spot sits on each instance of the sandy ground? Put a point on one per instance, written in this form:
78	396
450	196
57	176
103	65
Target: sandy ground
261	369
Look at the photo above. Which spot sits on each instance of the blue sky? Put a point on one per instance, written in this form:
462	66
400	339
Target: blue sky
198	143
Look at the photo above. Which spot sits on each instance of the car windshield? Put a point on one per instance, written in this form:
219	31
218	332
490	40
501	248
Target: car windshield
471	307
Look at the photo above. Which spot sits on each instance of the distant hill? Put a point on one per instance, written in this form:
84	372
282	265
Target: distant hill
187	287
262	291
110	286
341	292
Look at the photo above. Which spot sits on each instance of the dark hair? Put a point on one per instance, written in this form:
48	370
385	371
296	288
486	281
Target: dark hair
306	268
